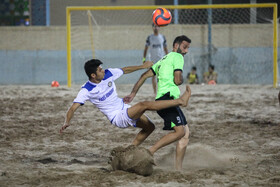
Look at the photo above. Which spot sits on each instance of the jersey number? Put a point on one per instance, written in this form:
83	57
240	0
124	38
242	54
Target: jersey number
178	119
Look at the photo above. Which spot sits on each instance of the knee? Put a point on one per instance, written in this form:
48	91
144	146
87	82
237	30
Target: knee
181	134
151	127
143	104
183	142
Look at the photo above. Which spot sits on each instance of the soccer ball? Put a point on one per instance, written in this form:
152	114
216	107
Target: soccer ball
55	84
161	17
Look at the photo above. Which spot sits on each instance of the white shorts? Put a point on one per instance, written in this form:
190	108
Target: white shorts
122	120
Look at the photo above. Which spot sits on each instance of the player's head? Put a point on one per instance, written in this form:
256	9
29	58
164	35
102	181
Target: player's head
193	69
211	68
155	28
91	67
181	44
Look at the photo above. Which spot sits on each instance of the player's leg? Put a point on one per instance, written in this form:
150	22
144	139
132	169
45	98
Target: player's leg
179	132
181	149
154	83
147	127
136	111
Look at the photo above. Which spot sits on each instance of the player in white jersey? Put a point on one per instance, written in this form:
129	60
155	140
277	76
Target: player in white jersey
155	49
100	90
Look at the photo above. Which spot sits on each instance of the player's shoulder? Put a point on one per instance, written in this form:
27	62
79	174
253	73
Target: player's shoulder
206	73
108	74
150	36
161	35
176	55
112	71
87	87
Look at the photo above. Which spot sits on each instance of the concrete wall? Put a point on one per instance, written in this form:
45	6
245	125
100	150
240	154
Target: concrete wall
37	55
54	37
58	7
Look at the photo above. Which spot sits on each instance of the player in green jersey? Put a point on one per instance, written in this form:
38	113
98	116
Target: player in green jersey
169	72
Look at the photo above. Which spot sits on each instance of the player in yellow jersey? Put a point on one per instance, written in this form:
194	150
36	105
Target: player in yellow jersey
192	77
211	76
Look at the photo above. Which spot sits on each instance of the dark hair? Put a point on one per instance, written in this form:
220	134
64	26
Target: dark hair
91	66
180	39
194	68
212	66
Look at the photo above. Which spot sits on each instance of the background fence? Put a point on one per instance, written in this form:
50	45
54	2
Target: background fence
37	54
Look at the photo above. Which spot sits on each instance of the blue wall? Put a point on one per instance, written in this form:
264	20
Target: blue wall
234	66
32	67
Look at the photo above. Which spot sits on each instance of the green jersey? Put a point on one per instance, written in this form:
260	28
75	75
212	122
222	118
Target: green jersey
164	70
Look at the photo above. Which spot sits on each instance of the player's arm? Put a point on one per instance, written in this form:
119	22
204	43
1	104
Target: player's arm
138	84
146	49
188	76
178	64
165	46
131	69
215	77
165	50
178	77
205	78
145	53
196	79
69	115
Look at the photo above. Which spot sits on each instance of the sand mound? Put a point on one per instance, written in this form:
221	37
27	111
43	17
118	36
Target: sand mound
132	159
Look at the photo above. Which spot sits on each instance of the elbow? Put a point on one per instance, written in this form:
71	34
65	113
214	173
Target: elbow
145	75
178	81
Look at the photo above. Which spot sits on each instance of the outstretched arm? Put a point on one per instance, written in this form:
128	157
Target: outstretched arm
138	84
131	69
69	116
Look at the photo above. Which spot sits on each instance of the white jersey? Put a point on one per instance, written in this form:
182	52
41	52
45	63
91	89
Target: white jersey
156	46
104	94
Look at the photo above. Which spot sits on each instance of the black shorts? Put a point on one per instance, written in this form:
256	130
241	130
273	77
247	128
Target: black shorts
172	116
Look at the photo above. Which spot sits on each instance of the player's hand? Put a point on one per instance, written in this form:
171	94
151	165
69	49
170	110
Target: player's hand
129	98
144	60
148	64
64	127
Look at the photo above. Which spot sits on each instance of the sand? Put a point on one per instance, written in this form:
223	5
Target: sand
234	140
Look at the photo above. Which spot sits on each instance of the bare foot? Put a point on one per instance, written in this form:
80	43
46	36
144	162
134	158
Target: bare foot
150	151
186	96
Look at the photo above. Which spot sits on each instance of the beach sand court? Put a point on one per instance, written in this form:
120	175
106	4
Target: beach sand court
234	139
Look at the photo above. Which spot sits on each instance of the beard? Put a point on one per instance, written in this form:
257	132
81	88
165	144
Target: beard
180	51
